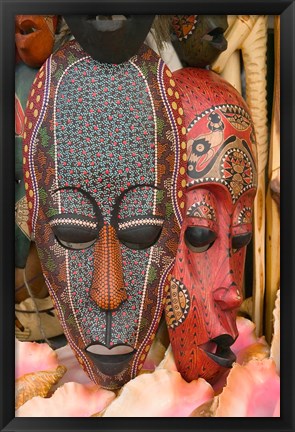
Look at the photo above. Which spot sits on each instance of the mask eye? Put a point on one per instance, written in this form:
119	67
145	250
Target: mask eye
75	246
240	240
199	239
72	237
141	237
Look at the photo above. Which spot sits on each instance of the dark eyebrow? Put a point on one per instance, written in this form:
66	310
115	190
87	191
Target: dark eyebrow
114	218
87	195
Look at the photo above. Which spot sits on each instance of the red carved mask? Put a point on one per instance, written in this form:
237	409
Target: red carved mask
34	37
102	153
206	286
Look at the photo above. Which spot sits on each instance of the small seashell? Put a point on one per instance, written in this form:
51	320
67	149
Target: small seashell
36	384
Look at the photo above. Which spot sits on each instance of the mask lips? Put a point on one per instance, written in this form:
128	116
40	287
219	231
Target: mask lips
220	350
109	363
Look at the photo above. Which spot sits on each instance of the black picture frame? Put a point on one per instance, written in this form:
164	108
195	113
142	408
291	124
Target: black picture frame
10	8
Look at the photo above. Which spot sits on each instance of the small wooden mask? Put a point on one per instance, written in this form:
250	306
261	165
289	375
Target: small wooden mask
34	37
199	39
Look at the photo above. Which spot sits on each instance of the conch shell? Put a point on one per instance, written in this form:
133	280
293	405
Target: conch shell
70	400
36	384
75	373
33	357
161	393
247	346
252	390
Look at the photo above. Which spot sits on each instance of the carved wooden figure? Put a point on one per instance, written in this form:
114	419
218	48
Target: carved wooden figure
206	286
273	198
198	39
104	167
34	37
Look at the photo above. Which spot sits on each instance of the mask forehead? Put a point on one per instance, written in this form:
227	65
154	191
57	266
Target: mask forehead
108	144
220	148
220	133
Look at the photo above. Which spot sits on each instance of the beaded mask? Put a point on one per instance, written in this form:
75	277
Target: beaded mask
104	155
206	286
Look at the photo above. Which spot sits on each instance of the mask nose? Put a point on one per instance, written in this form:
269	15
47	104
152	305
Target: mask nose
228	298
107	288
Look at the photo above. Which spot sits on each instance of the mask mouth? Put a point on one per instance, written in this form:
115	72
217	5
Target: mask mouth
218	349
216	39
110	361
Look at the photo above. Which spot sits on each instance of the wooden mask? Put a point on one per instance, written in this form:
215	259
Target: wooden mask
198	39
110	40
206	286
104	167
34	37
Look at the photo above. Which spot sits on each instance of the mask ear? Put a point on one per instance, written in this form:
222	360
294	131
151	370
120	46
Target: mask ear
110	40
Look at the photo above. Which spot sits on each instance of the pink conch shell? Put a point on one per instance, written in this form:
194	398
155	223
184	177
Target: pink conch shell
33	357
247	340
275	344
162	393
248	346
70	400
36	384
252	390
75	372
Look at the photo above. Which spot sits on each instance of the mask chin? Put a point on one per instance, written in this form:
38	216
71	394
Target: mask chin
110	40
204	367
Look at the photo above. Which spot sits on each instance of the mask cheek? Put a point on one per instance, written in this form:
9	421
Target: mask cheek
191	361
